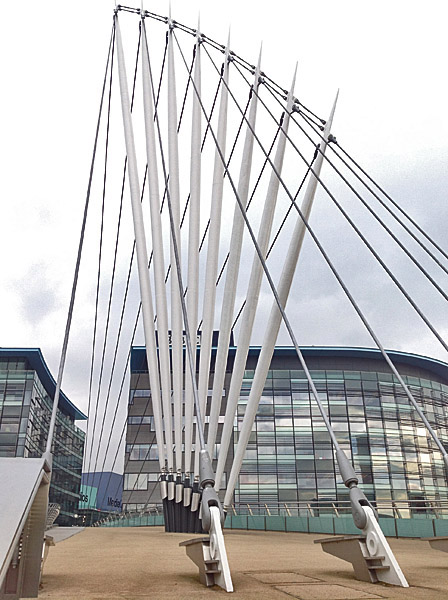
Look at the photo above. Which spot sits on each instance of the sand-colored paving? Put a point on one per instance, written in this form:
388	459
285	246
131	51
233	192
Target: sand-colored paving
147	563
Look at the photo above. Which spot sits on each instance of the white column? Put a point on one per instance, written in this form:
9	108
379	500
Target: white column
176	309
156	231
214	232
275	319
233	264
193	246
141	251
253	290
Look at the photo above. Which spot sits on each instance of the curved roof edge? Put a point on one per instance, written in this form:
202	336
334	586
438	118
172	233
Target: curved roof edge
416	360
37	362
433	365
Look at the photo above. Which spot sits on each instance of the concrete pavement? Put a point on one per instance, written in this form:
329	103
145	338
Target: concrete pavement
143	563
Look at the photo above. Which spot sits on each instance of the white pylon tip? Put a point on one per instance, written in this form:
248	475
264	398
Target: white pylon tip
259	56
198	29
227	49
291	90
334	104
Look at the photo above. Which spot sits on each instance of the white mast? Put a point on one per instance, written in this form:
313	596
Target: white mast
253	290
275	319
193	245
141	251
156	229
233	264
208	311
176	310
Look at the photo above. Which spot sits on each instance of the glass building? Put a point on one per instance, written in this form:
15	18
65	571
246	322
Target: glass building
26	397
289	458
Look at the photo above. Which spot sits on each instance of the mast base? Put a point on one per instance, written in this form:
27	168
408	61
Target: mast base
369	553
210	556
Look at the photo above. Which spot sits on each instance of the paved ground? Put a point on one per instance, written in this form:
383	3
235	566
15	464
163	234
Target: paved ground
59	534
146	563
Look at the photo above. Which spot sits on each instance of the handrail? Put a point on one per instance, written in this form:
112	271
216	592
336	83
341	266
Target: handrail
437	509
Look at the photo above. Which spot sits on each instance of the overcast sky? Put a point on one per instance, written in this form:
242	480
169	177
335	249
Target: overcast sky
387	58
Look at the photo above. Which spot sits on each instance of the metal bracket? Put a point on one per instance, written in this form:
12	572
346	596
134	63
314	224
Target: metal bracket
370	553
210	555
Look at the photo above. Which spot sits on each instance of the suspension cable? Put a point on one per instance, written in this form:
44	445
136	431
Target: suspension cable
78	262
382	223
92	435
345	289
381	201
100	254
356	229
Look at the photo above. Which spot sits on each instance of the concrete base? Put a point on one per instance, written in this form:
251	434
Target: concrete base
353	549
438	543
210	555
369	553
198	549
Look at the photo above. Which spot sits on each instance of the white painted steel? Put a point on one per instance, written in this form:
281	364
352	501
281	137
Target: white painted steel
218	551
253	290
176	291
193	247
211	269
233	264
377	545
275	319
156	230
171	490
141	250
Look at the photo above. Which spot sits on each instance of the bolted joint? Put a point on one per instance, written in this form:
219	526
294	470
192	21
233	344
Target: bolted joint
331	138
210	498
171	486
358	500
206	473
163	486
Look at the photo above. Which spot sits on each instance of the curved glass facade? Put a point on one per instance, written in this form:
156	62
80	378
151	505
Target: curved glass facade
290	457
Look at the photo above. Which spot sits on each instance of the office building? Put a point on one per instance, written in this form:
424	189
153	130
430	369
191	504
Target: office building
289	458
26	398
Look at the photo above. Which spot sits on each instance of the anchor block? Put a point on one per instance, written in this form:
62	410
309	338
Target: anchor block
209	554
369	553
438	543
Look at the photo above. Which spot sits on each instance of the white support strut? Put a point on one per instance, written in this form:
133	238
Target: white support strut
211	270
193	246
253	290
141	250
156	230
233	264
218	551
273	326
378	548
176	291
